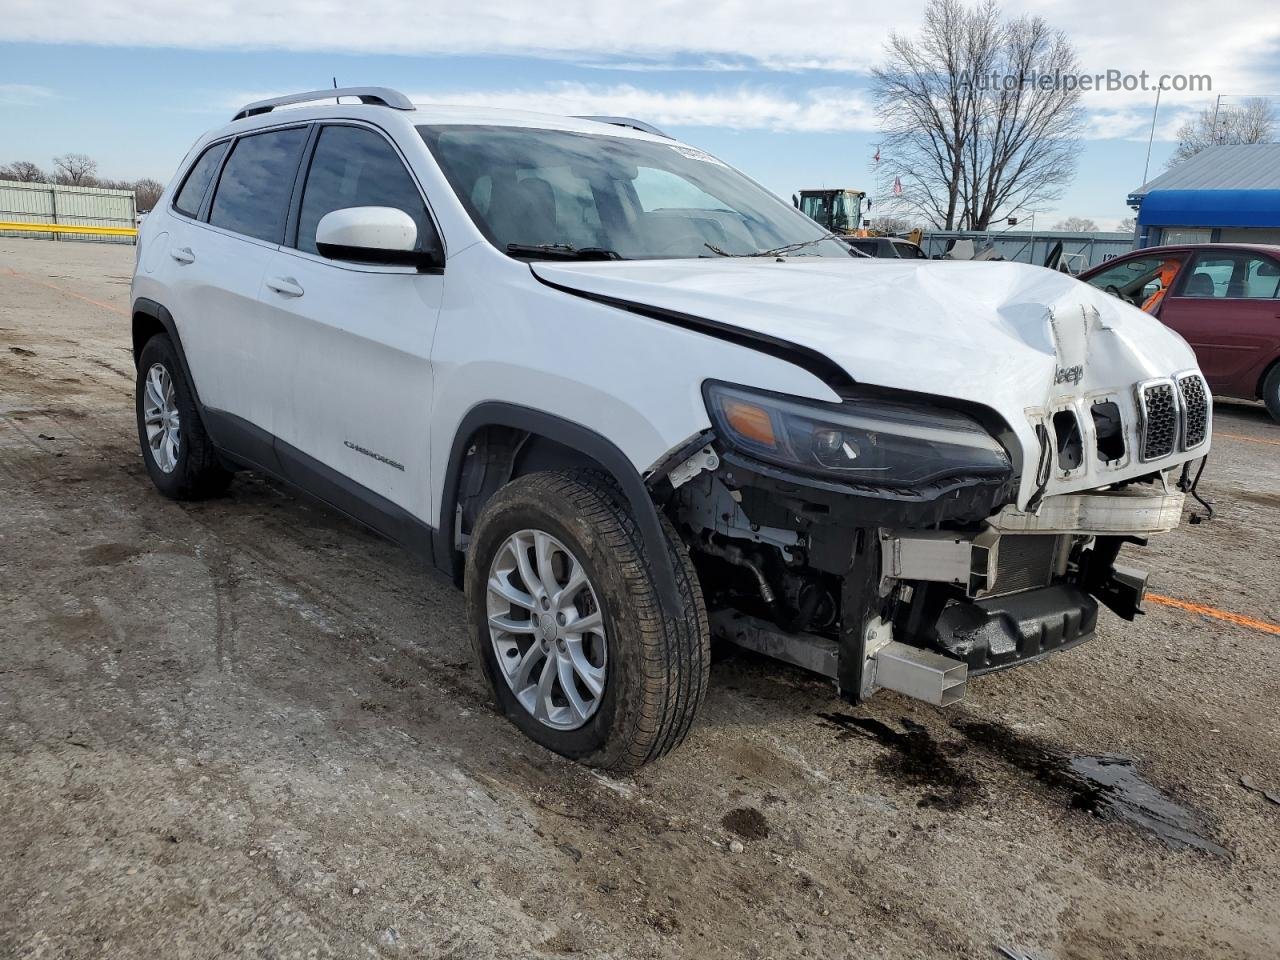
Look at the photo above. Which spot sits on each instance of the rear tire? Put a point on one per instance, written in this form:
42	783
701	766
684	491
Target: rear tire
1271	392
653	669
179	455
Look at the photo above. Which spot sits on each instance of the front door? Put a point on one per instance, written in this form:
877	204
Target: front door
351	342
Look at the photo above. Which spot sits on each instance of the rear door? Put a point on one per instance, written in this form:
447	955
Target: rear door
218	264
352	341
1227	306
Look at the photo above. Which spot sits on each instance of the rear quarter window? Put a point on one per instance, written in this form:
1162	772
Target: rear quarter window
191	195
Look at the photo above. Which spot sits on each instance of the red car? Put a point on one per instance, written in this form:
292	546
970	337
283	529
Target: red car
1224	298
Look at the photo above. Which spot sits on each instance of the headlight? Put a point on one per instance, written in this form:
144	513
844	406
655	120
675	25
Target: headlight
869	441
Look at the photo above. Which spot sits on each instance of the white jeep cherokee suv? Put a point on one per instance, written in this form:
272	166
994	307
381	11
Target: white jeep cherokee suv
631	400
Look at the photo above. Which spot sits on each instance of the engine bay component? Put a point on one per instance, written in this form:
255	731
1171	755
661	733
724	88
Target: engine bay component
939	556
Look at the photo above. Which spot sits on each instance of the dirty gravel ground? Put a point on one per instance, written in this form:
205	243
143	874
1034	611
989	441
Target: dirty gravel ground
249	728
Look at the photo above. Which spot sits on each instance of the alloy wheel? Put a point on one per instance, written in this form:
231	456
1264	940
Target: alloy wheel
546	628
161	418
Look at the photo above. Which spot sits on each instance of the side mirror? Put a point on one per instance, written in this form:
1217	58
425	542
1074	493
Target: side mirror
374	235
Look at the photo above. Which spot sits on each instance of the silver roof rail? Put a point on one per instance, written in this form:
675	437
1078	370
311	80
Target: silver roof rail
629	122
381	96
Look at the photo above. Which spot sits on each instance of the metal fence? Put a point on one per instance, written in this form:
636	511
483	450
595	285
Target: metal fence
66	207
1079	250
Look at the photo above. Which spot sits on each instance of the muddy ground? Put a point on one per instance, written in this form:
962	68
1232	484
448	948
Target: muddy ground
249	728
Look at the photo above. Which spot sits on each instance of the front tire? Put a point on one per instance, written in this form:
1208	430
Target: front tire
178	453
568	624
1271	392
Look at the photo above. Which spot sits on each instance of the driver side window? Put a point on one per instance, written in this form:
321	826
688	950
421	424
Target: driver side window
1124	275
355	167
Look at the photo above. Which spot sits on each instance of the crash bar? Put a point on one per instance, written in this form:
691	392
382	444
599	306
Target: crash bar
380	96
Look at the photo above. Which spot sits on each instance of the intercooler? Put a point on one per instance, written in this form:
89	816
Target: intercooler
1025	561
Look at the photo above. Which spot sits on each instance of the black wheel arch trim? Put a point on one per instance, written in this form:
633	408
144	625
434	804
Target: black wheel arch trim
159	313
585	441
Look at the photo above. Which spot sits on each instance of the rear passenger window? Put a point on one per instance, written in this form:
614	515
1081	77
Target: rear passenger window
253	191
354	167
197	182
1235	276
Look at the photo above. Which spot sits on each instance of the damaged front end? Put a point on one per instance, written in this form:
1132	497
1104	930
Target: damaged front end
879	542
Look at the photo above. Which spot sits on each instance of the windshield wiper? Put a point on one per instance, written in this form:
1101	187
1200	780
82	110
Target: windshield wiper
562	251
776	251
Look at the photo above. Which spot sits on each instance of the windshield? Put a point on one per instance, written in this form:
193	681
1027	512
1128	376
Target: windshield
548	192
847	213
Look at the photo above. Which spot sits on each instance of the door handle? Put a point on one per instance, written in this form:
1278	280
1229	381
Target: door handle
183	255
285	286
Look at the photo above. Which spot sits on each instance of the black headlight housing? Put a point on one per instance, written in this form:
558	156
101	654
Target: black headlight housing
866	441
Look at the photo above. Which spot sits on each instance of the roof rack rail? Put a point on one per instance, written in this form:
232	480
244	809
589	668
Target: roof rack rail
382	96
629	122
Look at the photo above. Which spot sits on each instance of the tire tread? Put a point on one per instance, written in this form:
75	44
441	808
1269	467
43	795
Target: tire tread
675	651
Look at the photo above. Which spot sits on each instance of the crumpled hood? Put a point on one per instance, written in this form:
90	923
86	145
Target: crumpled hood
989	332
1021	340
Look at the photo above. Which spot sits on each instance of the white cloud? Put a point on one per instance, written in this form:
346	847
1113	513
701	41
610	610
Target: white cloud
678	33
24	94
823	109
1233	40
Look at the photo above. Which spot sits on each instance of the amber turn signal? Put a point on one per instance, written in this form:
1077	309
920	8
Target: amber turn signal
750	421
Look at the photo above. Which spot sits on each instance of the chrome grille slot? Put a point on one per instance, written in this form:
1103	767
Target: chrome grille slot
1025	561
1195	410
1159	406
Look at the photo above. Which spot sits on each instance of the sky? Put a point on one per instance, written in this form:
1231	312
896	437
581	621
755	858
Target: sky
780	91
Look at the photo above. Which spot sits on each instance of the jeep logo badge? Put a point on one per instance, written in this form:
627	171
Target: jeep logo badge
1069	374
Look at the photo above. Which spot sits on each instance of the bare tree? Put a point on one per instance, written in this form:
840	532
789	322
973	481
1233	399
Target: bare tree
75	169
970	128
1076	225
889	224
1253	121
1127	225
23	170
146	193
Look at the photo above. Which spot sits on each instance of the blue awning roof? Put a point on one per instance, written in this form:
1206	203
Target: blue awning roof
1210	208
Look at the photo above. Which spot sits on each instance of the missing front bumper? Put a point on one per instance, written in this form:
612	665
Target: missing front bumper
967	638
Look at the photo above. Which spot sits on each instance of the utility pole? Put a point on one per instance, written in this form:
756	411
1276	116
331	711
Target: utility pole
1214	126
1146	167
